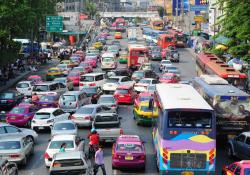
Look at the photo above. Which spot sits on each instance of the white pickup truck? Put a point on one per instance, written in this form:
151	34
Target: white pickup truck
107	126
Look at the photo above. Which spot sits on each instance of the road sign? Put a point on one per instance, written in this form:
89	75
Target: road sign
54	23
198	7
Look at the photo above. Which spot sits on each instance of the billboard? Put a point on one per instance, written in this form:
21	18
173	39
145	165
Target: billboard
176	6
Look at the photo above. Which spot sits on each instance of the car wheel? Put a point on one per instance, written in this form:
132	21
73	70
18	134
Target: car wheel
31	139
230	151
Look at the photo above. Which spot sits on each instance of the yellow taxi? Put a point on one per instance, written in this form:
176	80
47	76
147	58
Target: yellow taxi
118	35
68	62
53	73
145	113
98	45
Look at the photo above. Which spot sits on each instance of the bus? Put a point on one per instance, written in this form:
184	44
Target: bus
157	24
207	63
120	24
232	106
166	40
138	54
184	135
181	38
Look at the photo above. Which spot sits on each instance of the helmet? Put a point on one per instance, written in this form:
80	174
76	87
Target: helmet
93	130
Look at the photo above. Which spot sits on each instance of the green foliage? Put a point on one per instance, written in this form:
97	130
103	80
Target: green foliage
236	26
91	9
161	11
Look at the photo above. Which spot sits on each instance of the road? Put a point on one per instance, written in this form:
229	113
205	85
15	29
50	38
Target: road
36	165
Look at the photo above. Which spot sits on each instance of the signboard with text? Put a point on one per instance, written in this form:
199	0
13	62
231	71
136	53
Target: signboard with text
54	23
198	7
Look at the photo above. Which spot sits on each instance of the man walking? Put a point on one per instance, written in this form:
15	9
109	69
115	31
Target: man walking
99	161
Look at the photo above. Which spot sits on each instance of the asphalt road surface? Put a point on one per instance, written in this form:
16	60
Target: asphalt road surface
35	165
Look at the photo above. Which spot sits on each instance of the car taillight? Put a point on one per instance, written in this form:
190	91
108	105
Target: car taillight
72	117
14	156
115	156
142	157
56	165
121	132
10	101
50	121
92	84
113	106
81	84
29	89
46	156
173	132
165	155
87	118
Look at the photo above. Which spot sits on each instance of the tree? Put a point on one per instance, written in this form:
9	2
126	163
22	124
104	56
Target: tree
91	9
236	26
161	11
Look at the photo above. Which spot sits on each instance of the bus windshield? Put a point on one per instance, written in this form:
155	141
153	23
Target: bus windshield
189	119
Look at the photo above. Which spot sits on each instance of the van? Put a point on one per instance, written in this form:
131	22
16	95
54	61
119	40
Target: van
46	88
108	61
92	79
72	100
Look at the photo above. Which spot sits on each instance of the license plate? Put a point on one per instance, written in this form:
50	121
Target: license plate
3	101
40	127
108	140
12	118
121	95
187	173
128	157
44	105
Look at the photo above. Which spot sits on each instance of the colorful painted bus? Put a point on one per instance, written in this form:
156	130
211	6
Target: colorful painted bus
207	63
184	135
181	38
166	40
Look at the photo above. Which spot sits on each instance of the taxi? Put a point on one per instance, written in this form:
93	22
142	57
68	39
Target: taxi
128	152
35	79
143	96
48	101
68	62
98	45
53	73
123	58
125	94
143	114
237	168
169	78
118	35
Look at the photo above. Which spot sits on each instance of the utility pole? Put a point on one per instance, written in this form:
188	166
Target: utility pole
182	14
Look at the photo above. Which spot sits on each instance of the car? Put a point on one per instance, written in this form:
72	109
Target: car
155	55
9	99
75	60
138	75
65	68
164	63
92	61
151	88
237	168
10	130
60	163
92	79
172	69
173	56
48	101
75	77
45	118
21	115
73	143
8	168
108	126
143	84
64	127
68	62
35	79
93	92
109	43
114	49
120	72
25	88
16	149
67	82
87	67
125	94
118	35
239	146
143	114
143	96
53	73
98	45
146	66
80	69
123	58
128	152
169	78
113	82
46	88
109	101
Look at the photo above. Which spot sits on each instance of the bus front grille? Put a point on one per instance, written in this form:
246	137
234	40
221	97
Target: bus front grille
188	160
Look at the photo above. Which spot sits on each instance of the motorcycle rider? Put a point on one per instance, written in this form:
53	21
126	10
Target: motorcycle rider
93	141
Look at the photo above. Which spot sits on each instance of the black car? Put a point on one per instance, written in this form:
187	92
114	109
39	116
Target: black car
93	92
137	75
9	99
120	72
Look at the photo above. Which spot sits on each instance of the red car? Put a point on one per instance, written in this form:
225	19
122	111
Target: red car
144	96
92	61
35	79
237	168
125	94
21	115
169	78
75	77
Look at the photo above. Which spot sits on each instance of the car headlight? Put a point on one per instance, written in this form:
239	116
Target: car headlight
50	121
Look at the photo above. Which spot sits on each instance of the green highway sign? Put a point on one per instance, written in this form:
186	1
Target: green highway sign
54	23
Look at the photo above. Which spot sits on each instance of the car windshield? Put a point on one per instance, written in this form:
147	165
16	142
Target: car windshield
151	88
17	110
79	68
62	66
166	77
106	100
57	144
121	91
138	74
145	81
112	80
22	85
87	78
91	54
46	98
88	90
106	118
108	59
189	119
42	115
41	88
64	126
85	110
75	73
147	109
166	62
128	147
246	171
6	95
69	98
60	80
9	145
145	98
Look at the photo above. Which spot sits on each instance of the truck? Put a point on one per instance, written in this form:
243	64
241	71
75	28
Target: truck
108	126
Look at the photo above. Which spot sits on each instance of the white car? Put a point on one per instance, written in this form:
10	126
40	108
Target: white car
73	143
45	118
67	82
64	127
143	84
25	87
165	63
114	81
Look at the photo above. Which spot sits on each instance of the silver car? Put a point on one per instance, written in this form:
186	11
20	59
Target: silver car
109	101
70	162
64	127
16	149
10	130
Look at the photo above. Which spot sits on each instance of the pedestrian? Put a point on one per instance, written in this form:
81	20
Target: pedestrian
62	148
99	161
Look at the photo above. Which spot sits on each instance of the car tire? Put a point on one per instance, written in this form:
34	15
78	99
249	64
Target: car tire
230	151
31	139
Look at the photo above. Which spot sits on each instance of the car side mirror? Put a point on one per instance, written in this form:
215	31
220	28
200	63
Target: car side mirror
120	117
49	140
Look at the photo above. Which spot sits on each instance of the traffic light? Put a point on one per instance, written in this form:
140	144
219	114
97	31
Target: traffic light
204	2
